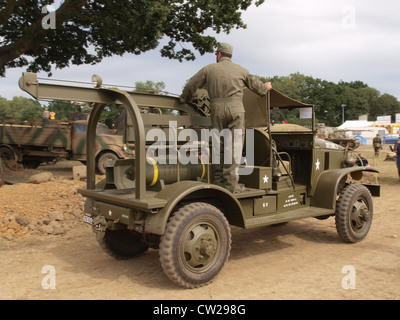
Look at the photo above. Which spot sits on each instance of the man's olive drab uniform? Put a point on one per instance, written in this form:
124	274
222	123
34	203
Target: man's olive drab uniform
377	143
225	82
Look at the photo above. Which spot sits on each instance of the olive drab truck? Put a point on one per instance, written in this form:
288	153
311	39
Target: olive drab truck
341	138
28	144
153	200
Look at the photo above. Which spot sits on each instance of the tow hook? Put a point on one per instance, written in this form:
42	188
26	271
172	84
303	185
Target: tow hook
99	226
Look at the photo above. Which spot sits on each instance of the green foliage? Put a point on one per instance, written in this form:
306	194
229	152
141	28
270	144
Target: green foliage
149	86
111	114
152	87
25	109
4	107
62	109
20	108
328	98
386	105
86	31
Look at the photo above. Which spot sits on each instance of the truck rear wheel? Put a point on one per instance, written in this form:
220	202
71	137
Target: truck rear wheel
354	212
122	244
196	245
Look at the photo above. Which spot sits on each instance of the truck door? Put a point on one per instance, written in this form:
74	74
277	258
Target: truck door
78	151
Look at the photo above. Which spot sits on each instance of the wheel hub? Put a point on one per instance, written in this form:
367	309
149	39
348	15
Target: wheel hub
360	216
200	247
207	247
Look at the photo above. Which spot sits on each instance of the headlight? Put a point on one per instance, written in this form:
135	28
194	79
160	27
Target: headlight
349	161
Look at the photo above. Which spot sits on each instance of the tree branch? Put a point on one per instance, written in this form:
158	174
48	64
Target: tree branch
5	14
111	27
30	38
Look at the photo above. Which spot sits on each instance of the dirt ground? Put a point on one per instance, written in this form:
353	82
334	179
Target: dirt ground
299	260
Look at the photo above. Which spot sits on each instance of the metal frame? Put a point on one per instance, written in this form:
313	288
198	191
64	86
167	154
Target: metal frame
101	97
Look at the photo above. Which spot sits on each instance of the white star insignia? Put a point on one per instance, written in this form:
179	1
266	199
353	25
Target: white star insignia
317	164
265	179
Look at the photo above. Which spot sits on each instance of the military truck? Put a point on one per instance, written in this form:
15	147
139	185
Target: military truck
173	206
29	144
341	138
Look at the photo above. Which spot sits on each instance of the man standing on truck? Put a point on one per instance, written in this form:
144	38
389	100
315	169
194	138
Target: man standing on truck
225	82
46	114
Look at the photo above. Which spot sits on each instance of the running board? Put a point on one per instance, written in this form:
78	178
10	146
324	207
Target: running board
296	214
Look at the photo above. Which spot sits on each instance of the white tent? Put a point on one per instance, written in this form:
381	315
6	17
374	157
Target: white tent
363	130
355	124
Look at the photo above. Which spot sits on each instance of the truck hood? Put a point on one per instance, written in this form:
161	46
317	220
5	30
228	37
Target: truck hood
324	144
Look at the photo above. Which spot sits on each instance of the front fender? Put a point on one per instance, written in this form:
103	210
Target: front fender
193	191
326	189
115	149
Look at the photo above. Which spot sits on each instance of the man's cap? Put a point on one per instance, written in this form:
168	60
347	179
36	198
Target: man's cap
225	48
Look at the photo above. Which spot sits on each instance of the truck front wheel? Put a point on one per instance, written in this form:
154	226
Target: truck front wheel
196	245
104	157
8	158
354	212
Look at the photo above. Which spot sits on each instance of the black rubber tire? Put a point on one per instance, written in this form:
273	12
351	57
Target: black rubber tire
354	213
122	244
8	158
196	245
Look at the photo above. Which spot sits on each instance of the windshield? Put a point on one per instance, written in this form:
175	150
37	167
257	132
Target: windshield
291	119
102	129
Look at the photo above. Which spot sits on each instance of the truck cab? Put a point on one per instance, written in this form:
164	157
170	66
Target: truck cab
108	145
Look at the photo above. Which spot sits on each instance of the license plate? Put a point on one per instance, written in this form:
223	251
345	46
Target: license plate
88	219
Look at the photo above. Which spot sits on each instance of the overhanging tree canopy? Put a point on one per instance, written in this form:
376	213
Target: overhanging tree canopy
86	31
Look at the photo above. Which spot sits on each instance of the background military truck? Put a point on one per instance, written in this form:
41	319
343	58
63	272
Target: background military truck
32	143
176	208
337	136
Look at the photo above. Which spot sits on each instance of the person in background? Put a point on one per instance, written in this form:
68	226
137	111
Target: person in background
46	114
361	160
377	144
396	149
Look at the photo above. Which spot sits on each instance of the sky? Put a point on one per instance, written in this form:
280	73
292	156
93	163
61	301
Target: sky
333	40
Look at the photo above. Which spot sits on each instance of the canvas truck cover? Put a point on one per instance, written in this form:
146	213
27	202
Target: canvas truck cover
256	106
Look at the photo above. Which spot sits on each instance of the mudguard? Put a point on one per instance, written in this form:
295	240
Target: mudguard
115	149
327	187
195	191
